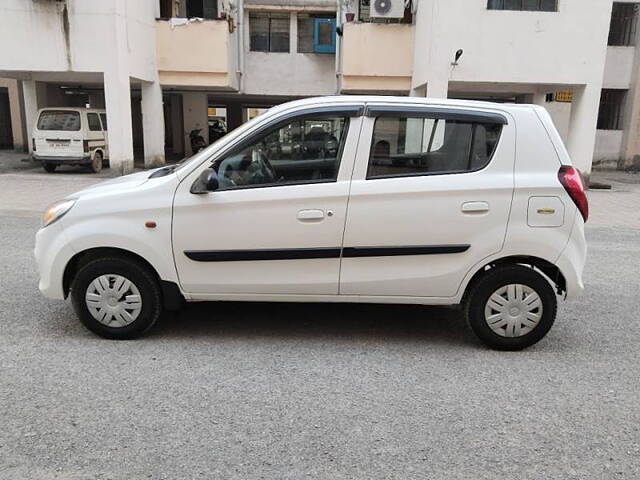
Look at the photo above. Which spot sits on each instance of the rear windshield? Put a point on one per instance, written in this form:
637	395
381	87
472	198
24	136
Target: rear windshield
59	120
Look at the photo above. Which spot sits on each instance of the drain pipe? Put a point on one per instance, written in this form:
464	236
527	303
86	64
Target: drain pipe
339	48
240	46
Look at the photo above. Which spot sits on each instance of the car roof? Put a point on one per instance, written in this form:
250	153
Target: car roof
400	100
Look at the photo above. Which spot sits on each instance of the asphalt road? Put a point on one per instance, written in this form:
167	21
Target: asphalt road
319	391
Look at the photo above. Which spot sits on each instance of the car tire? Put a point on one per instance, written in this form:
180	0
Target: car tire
96	163
511	307
49	167
112	308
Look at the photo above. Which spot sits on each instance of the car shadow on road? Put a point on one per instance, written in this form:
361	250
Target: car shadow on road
310	321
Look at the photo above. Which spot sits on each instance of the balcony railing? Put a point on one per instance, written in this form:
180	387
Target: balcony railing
377	57
200	54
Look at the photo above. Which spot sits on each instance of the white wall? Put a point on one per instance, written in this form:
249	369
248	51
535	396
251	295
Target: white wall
293	73
608	146
565	47
38	36
618	71
561	114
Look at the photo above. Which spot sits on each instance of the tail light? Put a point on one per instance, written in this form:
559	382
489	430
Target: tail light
33	144
85	146
571	180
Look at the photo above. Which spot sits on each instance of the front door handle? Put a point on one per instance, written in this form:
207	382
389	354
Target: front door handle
313	215
475	207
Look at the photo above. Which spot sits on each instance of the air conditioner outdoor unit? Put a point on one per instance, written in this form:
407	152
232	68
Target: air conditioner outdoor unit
386	9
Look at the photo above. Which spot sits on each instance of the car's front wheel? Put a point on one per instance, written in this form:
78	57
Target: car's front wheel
511	307
116	298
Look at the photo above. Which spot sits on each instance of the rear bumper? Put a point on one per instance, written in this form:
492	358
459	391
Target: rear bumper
83	160
572	259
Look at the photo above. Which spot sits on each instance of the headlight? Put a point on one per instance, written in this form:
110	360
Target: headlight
56	211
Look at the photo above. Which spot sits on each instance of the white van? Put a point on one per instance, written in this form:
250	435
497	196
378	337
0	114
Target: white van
70	136
337	199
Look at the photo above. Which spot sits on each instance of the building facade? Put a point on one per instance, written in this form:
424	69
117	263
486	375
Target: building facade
166	68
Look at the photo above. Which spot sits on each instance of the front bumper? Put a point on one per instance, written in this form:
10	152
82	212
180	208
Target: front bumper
52	253
83	160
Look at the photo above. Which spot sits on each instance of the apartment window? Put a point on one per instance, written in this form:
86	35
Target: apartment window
611	111
269	32
624	19
525	5
425	146
316	34
202	8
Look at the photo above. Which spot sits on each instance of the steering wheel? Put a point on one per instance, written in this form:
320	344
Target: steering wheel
266	168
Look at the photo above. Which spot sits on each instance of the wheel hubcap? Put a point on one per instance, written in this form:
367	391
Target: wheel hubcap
513	310
113	300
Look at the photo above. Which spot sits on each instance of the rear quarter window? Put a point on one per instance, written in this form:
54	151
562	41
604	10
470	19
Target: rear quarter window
59	120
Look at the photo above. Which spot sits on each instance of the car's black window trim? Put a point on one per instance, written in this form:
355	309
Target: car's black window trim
419	111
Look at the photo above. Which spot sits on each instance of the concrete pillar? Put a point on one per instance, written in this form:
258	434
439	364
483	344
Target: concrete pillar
152	124
438	87
234	115
177	125
30	109
539	99
582	127
194	112
117	95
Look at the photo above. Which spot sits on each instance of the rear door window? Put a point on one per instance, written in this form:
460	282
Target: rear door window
94	122
406	146
63	120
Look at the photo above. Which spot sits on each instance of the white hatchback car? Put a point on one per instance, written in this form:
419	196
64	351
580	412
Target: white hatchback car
336	199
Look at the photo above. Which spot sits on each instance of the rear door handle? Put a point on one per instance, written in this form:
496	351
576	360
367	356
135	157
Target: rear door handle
475	207
312	215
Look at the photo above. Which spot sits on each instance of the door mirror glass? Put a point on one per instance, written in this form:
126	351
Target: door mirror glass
206	182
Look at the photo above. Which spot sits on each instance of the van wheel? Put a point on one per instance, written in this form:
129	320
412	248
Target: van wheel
511	308
116	298
96	164
49	167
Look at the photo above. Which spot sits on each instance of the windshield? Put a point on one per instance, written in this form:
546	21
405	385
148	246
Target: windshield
64	120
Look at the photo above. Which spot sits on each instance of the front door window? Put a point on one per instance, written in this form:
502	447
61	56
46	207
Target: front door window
305	150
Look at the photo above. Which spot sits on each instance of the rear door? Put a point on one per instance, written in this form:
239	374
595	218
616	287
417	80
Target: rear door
59	133
95	135
105	132
430	197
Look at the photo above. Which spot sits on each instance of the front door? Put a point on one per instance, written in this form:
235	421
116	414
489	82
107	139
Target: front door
430	198
275	224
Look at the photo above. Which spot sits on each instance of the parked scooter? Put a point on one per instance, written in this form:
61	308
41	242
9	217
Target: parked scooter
197	140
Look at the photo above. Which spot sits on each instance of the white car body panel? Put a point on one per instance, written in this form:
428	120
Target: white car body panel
382	212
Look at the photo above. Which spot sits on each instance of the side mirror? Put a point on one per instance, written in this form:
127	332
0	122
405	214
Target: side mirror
206	182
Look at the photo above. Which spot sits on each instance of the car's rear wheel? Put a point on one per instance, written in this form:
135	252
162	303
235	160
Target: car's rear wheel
96	164
116	298
511	307
49	167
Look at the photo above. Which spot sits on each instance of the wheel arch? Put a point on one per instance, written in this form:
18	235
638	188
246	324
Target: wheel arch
550	271
172	297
